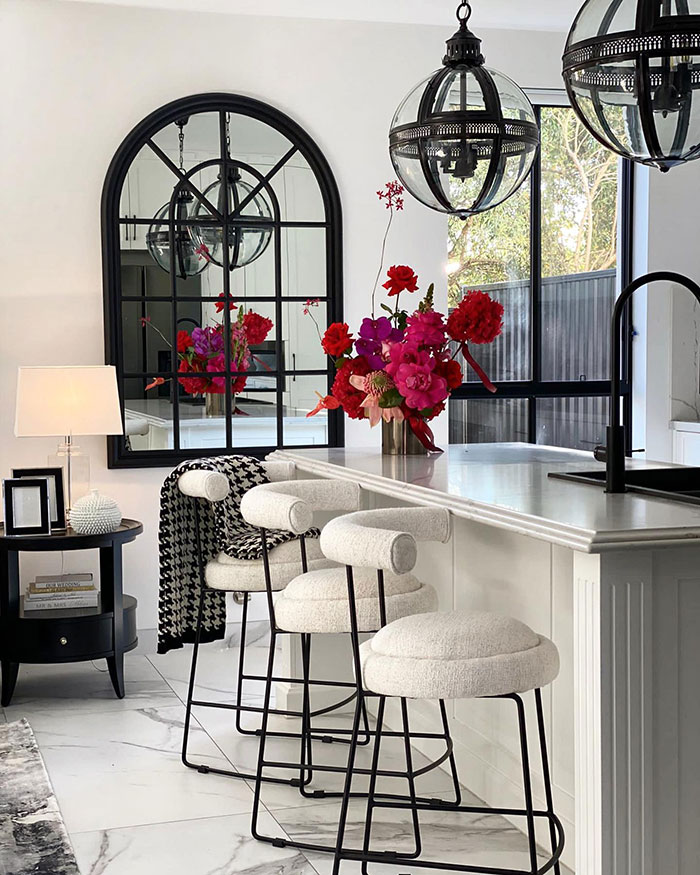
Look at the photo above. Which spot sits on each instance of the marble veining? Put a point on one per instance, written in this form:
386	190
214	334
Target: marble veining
131	808
33	838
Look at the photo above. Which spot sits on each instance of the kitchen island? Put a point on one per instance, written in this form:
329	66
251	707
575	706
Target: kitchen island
614	580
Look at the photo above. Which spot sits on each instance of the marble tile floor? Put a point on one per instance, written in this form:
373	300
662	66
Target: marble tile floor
132	808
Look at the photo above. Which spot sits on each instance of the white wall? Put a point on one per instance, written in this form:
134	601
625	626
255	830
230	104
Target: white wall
77	77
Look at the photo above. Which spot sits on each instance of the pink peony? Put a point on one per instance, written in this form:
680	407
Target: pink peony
420	385
403	354
426	328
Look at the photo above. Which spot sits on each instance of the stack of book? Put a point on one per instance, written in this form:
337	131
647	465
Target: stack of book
53	591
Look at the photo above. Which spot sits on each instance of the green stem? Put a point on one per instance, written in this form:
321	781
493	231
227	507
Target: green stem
381	261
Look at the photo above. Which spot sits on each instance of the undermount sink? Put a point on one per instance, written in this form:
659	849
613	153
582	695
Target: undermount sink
678	484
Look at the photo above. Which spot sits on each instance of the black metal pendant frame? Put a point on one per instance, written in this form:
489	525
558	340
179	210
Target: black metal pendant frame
655	36
119	455
487	134
493	137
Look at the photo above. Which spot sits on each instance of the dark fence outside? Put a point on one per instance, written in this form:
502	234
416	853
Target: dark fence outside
575	324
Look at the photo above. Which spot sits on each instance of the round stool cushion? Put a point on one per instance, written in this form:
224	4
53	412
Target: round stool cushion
318	601
457	655
246	575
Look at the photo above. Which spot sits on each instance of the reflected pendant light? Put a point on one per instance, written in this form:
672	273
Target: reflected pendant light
632	69
464	140
189	260
250	233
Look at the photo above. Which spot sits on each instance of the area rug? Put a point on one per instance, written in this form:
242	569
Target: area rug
33	837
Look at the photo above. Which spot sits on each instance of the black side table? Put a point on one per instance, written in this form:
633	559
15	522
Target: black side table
74	634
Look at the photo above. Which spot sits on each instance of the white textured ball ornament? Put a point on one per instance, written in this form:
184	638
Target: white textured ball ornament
95	514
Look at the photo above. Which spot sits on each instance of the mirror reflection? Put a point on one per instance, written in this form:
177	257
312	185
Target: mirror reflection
223	233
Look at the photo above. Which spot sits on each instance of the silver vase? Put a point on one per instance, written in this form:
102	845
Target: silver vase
398	439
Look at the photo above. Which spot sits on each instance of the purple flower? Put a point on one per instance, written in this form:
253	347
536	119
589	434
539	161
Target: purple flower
201	341
376	329
396	336
371	350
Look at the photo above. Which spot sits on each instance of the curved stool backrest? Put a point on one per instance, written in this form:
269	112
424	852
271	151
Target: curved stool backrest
290	506
384	539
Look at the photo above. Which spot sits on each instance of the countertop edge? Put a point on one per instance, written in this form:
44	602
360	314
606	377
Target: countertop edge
582	540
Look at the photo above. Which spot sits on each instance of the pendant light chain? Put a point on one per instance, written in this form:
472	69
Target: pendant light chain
464	11
228	133
181	140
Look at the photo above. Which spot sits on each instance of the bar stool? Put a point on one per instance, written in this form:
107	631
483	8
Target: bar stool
316	602
248	577
456	655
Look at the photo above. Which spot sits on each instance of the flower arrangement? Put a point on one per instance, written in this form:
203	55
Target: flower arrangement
403	366
202	354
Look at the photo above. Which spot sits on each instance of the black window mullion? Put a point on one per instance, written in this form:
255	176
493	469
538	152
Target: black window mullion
535	281
226	313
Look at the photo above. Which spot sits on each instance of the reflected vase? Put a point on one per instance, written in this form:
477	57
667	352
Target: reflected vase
398	439
215	404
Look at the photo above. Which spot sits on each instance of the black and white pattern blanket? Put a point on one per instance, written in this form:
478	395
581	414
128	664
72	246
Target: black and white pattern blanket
222	529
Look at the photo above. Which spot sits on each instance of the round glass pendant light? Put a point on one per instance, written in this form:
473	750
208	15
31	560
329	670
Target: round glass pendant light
189	260
248	240
632	69
465	138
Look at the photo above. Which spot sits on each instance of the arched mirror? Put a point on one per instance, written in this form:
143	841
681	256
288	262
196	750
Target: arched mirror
220	219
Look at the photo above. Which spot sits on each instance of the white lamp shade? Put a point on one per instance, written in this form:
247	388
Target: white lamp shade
67	401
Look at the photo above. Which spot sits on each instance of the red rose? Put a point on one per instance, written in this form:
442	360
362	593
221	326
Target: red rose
184	341
349	397
450	371
256	327
477	319
193	385
401	279
337	340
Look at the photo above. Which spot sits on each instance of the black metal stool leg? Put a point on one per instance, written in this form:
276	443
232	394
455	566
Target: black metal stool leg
241	671
190	686
372	789
450	746
547	778
411	778
527	782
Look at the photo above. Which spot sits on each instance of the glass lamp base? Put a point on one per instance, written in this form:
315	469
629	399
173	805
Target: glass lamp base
76	471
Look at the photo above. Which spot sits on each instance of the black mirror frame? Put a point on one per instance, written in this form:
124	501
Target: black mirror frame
118	455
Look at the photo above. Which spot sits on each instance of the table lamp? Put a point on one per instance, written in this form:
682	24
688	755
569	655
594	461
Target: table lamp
68	401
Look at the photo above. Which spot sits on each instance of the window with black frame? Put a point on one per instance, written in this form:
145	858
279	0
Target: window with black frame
555	256
221	227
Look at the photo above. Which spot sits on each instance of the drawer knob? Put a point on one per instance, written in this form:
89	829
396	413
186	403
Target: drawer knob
63	641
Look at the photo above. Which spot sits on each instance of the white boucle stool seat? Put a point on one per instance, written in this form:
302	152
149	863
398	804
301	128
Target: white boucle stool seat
457	655
317	602
248	575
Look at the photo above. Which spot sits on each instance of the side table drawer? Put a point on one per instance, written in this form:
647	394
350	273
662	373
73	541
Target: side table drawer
59	640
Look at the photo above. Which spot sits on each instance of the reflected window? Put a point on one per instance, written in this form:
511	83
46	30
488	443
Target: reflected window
221	220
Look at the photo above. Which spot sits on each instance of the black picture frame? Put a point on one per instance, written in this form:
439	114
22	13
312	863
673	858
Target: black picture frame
55	475
13	523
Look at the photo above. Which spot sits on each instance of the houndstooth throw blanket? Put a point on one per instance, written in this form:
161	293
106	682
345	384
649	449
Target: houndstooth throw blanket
222	529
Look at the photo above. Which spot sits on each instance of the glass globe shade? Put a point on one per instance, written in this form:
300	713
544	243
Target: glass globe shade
188	260
632	70
246	242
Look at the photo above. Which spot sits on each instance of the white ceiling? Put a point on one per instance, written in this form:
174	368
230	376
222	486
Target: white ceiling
529	14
